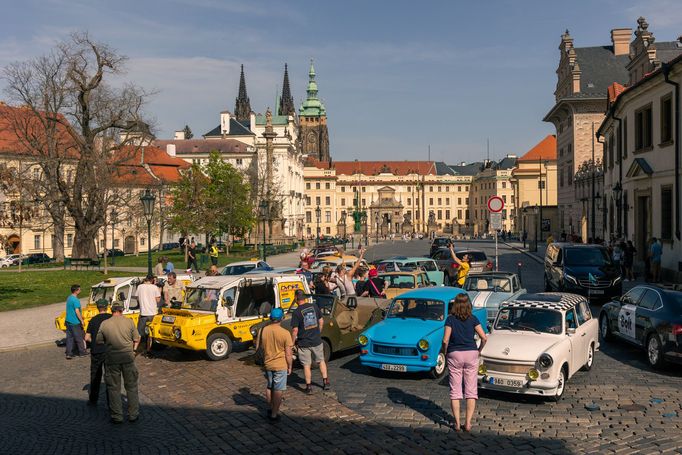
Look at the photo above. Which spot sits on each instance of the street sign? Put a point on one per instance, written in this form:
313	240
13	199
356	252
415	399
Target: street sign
495	204
496	221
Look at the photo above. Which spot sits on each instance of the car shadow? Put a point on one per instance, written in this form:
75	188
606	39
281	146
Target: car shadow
428	408
634	356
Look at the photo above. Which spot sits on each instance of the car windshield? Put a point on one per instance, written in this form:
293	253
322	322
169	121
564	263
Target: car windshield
417	309
399	281
441	241
537	320
101	292
586	256
237	269
201	299
488	283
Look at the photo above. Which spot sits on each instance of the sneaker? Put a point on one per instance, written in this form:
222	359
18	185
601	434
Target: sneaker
308	389
274	419
327	385
133	419
116	421
69	357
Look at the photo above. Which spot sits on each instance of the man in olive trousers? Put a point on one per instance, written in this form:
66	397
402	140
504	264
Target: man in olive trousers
121	338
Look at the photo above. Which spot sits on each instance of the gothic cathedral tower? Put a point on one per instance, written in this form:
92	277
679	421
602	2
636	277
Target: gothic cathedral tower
242	105
314	136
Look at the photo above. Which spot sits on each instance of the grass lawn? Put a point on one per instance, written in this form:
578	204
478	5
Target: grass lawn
30	289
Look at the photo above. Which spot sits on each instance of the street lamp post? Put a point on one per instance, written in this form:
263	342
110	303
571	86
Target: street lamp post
317	231
147	200
114	214
263	212
376	223
617	194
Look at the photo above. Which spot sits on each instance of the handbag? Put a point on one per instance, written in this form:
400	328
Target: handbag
259	356
380	294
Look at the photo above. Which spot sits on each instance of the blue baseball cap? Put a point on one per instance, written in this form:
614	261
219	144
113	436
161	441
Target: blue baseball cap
276	314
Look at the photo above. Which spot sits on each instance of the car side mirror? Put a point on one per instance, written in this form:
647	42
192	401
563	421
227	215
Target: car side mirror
227	301
352	302
570	331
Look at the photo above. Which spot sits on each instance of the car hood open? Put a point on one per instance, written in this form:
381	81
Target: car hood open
519	346
402	331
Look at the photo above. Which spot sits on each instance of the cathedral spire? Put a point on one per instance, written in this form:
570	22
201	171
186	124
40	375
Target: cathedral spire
312	106
242	106
286	102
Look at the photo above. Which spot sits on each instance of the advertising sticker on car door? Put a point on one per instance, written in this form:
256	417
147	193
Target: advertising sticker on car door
626	321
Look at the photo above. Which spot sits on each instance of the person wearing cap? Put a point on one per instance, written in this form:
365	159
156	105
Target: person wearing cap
121	338
97	350
148	296
278	359
306	323
375	285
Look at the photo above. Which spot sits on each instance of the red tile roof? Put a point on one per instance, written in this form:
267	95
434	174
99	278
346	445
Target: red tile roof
377	167
545	150
614	90
160	166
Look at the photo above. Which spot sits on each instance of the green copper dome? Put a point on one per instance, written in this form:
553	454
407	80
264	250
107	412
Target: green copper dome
312	106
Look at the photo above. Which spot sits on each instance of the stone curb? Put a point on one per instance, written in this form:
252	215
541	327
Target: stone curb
27	346
527	253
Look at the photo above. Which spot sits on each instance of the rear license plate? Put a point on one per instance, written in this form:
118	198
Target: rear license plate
168	319
596	291
514	383
387	367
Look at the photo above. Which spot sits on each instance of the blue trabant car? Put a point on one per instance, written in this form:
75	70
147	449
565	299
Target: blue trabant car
410	337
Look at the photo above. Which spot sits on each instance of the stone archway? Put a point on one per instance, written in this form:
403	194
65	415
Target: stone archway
14	244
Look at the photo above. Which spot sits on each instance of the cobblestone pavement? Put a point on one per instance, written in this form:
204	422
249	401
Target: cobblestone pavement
191	405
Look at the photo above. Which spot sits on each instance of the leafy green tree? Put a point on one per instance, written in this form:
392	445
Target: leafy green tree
227	198
189	203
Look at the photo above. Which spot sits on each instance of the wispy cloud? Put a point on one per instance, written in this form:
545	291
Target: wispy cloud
660	14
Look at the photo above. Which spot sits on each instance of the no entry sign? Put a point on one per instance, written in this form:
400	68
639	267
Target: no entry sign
495	204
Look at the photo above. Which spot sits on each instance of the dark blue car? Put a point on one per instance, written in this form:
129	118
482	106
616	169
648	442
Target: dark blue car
649	317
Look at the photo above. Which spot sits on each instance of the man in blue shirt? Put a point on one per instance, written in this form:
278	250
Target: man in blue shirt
655	254
74	324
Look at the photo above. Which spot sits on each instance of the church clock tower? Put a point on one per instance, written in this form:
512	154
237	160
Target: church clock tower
314	136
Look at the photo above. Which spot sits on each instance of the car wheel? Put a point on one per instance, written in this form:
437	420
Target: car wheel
441	367
562	385
654	351
604	328
218	346
590	358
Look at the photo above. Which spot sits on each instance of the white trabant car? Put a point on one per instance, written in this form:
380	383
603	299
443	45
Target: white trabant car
538	342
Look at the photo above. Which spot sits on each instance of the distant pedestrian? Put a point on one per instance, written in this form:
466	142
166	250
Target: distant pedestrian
121	338
629	259
563	236
148	297
158	268
617	255
462	356
656	252
173	290
463	267
192	257
74	324
170	267
97	350
524	237
550	239
277	346
212	270
306	323
213	253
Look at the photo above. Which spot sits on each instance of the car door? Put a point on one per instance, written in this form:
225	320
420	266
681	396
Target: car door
646	309
587	328
577	340
628	312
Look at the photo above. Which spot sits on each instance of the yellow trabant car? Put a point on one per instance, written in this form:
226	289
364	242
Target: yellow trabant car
121	289
400	282
218	311
333	261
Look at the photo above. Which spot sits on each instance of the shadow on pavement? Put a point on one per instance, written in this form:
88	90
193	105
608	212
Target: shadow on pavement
427	408
37	425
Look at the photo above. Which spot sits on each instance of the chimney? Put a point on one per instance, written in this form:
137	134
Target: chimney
179	135
620	37
170	149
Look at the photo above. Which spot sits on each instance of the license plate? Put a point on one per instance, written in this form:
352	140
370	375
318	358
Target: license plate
514	383
388	367
168	319
596	291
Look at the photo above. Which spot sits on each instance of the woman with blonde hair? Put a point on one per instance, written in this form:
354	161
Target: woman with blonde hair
459	343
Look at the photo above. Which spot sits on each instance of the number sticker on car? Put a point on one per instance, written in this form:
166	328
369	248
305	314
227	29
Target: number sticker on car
388	367
168	319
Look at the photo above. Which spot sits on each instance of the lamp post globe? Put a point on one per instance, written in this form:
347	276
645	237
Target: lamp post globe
147	199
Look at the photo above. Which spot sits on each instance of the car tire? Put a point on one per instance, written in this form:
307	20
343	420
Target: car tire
590	358
604	328
654	351
562	385
441	367
218	346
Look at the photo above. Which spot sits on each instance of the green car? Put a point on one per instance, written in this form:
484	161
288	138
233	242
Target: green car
344	320
404	263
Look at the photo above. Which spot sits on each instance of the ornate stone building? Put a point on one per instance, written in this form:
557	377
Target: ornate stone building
314	136
494	179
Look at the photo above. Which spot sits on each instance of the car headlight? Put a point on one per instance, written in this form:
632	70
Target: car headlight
533	374
570	278
545	361
254	332
423	345
482	369
616	280
363	340
177	333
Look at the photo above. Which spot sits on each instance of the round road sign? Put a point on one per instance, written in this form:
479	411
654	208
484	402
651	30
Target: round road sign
495	204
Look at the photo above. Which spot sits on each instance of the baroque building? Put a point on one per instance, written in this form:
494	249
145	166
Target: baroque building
314	137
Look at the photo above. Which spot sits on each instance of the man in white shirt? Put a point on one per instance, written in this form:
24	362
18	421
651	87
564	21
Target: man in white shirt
148	297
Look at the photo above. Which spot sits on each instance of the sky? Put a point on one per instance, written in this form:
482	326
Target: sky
395	76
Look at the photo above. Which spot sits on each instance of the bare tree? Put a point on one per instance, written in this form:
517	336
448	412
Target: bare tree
69	120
